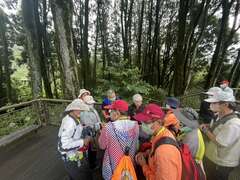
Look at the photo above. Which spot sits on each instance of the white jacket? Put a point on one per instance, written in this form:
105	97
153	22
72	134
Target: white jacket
69	136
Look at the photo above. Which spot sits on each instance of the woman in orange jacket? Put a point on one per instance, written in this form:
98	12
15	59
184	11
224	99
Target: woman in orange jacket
164	162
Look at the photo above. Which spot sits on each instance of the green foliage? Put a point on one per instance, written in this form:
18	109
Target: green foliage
126	81
20	82
17	119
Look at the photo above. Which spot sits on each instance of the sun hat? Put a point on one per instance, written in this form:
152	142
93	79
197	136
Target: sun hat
82	91
77	104
221	96
213	90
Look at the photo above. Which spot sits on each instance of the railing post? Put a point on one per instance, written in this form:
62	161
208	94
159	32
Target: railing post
42	111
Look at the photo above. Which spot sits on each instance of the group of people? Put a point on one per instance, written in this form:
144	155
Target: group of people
152	136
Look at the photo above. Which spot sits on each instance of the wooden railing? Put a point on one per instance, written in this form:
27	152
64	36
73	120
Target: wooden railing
36	112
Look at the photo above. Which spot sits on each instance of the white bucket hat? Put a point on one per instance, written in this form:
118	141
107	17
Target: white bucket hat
221	96
82	91
213	90
89	100
77	104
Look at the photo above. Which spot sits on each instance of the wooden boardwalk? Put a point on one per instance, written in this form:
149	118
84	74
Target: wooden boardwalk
33	158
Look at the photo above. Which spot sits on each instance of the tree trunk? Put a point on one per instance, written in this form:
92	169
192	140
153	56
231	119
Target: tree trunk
155	40
179	56
234	75
2	93
96	46
43	48
129	29
3	37
86	66
146	60
139	37
211	76
227	41
62	16
46	52
33	46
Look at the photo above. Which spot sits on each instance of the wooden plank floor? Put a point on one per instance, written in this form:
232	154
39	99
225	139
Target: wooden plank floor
33	158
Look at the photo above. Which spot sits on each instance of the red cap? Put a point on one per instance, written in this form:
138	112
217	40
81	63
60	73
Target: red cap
150	112
119	105
225	82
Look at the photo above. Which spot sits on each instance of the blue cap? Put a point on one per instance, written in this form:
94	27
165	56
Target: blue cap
173	102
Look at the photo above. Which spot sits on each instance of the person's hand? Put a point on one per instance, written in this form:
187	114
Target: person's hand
87	140
103	124
147	153
204	127
140	159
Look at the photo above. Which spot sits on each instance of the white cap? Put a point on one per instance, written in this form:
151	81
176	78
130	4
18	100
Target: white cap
89	99
82	91
213	90
221	96
137	97
77	104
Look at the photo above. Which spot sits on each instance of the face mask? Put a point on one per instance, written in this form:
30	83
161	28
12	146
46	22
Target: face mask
223	86
112	99
146	128
167	106
214	107
113	115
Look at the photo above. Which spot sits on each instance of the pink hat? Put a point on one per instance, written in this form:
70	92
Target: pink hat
120	105
150	112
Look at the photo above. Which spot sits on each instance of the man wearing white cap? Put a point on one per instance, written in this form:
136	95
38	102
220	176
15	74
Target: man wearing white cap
70	141
222	149
205	114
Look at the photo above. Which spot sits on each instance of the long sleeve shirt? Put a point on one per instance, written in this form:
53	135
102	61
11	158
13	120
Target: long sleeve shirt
166	162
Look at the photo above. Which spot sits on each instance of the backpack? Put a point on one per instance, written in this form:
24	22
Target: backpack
190	169
125	169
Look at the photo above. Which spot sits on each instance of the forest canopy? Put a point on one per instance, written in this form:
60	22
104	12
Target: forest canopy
52	48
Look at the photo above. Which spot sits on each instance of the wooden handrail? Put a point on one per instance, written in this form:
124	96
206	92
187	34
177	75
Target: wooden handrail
4	108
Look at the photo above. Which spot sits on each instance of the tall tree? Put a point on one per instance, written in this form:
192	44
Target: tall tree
85	60
62	17
189	36
179	56
28	10
126	8
6	62
45	63
139	35
212	73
